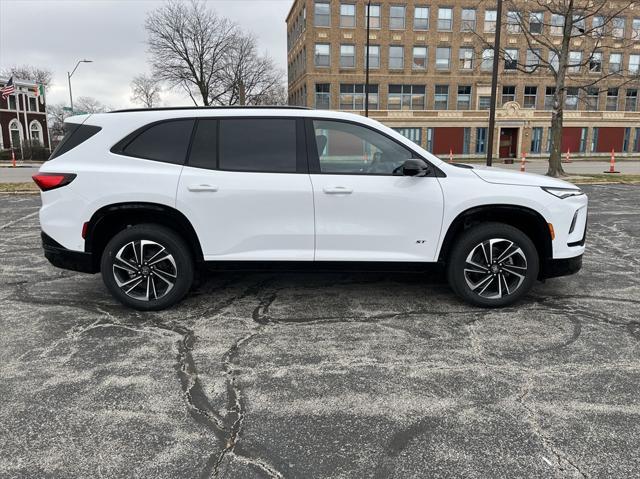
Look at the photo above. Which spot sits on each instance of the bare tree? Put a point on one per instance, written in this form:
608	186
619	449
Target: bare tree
55	121
187	44
146	91
90	105
568	39
41	76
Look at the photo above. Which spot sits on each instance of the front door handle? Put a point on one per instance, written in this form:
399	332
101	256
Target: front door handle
337	190
197	188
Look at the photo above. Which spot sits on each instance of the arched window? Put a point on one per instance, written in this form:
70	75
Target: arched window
36	131
15	133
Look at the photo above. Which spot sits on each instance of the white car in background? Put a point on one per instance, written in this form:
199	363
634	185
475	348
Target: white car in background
147	196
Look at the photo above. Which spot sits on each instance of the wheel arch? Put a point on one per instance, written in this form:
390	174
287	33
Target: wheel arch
527	220
111	219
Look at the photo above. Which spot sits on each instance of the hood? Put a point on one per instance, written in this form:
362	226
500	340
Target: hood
501	176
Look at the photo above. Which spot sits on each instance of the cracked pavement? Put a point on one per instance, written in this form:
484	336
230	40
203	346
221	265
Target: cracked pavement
322	374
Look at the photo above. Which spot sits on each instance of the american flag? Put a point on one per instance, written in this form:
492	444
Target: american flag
8	89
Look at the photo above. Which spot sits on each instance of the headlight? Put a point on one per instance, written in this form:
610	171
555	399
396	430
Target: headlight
563	193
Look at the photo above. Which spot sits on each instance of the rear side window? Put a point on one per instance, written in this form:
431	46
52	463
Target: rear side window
75	134
204	149
167	142
261	144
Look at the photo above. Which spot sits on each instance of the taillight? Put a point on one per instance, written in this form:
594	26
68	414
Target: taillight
50	181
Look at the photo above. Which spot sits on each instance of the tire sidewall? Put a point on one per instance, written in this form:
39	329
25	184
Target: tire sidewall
470	239
173	244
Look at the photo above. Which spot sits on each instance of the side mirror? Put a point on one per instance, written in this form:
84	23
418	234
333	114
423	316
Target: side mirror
414	167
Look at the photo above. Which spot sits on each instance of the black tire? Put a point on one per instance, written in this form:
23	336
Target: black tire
176	268
500	277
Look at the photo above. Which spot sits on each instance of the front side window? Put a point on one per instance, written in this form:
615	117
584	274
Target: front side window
396	57
374	16
166	142
406	97
347	56
443	58
374	56
490	19
396	17
322	57
347	15
419	58
322	14
441	100
348	149
466	58
271	146
421	18
468	20
323	96
445	19
615	63
464	98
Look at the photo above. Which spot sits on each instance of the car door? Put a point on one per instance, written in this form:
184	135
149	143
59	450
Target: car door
363	212
246	189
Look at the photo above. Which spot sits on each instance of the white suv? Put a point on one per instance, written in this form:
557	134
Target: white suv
148	196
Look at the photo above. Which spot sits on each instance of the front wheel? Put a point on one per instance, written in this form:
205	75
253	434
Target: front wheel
492	265
147	267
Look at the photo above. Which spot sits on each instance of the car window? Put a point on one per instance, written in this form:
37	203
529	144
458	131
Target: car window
167	142
75	134
352	149
258	144
204	146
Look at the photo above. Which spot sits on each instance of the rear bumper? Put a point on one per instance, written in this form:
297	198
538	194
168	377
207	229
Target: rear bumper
553	268
64	258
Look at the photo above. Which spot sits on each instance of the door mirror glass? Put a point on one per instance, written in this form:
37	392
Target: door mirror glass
412	167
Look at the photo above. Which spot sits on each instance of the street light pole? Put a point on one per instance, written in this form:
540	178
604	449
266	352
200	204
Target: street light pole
69	75
494	84
366	81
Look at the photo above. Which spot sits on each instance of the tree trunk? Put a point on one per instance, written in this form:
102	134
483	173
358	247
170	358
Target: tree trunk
555	158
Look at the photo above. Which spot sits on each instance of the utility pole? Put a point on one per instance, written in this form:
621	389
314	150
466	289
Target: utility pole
494	84
366	60
69	75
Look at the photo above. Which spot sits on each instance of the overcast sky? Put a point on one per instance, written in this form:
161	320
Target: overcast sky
55	34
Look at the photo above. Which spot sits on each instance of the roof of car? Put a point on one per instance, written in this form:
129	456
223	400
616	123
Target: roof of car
258	107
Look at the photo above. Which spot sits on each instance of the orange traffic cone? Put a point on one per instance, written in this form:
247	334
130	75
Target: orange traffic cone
567	157
13	158
612	164
450	155
524	160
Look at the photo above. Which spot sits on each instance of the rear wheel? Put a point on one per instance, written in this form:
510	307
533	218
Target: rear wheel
492	265
147	267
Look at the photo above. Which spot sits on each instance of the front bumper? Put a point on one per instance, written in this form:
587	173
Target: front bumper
553	268
64	258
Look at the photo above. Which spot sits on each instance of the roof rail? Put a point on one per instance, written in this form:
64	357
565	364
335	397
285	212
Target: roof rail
164	108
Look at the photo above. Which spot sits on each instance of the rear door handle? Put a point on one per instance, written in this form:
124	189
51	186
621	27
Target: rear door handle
197	188
337	190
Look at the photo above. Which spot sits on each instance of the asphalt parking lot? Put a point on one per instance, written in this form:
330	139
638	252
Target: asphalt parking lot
325	374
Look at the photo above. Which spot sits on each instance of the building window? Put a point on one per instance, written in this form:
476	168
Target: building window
441	100
511	59
571	100
513	22
487	60
484	102
443	58
322	57
468	20
597	29
634	64
557	25
594	139
536	20
549	97
421	18
406	97
396	57
464	98
352	96
615	63
33	103
419	58
617	27
631	104
593	98
579	26
322	14
445	19
466	141
374	56
481	140
347	56
374	16
323	96
429	143
347	15
637	147
466	58
575	61
508	94
536	139
413	134
583	140
549	138
530	96
533	60
612	99
12	102
595	62
396	17
635	29
554	61
490	19
15	133
36	131
627	139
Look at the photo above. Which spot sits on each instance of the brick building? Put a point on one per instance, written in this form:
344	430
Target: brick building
430	77
23	116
